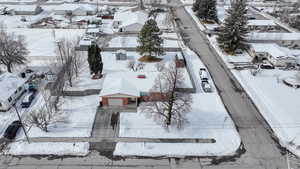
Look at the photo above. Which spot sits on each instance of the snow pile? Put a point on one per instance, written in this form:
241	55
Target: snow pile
48	148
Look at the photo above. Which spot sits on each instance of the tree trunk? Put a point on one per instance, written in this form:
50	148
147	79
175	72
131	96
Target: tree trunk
8	66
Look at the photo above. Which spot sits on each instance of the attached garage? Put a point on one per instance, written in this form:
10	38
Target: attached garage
115	102
118	92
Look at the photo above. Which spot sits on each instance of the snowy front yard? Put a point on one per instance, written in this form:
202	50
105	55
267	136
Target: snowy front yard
208	119
80	113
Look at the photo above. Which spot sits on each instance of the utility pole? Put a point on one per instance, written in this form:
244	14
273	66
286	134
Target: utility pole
21	123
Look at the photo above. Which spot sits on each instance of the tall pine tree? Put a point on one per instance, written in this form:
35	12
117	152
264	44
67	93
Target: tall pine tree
150	42
196	5
233	32
95	59
206	10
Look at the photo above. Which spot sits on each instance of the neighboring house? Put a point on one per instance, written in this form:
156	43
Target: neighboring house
262	25
118	92
273	52
129	21
23	9
12	87
75	9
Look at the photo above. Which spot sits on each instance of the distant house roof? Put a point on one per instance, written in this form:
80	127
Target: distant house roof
261	23
272	48
73	7
118	85
274	36
9	83
128	17
27	8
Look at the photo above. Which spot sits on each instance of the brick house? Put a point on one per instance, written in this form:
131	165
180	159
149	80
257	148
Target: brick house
118	92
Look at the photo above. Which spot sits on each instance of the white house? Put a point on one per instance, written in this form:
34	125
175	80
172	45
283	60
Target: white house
12	87
75	9
129	21
23	9
273	52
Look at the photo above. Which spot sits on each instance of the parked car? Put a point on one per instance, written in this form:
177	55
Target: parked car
32	87
28	100
141	76
28	71
203	74
267	66
206	86
11	131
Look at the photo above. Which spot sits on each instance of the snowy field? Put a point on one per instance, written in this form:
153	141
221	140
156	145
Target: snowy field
41	43
48	148
79	118
207	120
278	103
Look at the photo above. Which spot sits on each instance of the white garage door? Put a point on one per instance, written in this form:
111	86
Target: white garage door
115	102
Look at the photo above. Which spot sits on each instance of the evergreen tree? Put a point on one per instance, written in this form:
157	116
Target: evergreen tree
95	59
207	10
233	32
195	7
150	42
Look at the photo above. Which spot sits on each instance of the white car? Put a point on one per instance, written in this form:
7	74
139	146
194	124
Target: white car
206	86
203	74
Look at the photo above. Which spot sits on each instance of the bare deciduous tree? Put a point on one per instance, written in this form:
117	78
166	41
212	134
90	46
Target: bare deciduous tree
160	66
71	60
135	66
12	48
46	115
172	105
131	65
69	16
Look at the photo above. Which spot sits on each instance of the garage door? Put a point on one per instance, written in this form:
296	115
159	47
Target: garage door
115	102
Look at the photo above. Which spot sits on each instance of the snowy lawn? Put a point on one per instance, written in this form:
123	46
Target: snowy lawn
84	80
80	113
170	41
207	120
48	148
278	103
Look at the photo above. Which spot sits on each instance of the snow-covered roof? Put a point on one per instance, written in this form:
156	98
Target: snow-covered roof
93	30
274	36
272	48
73	7
9	83
128	17
118	85
261	23
29	8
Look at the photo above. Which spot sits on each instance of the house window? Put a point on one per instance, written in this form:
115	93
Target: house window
16	91
20	88
9	99
0	104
